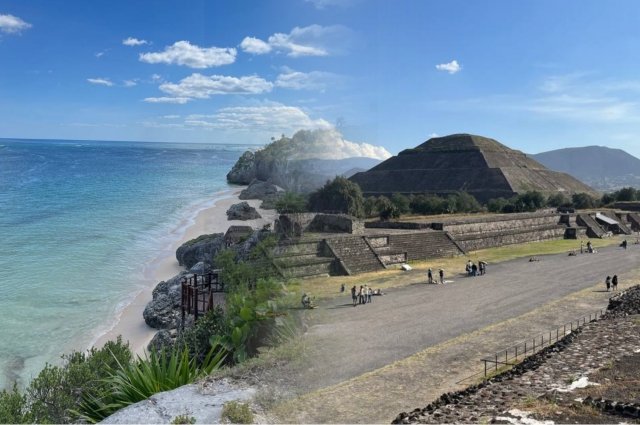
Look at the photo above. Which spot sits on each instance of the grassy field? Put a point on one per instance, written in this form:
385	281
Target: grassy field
327	287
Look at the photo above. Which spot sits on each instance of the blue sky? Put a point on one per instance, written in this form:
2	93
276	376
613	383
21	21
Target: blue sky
535	75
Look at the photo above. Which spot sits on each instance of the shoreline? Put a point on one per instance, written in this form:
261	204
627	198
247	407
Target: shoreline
208	217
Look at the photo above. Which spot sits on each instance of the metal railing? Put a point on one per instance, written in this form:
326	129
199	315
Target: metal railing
518	352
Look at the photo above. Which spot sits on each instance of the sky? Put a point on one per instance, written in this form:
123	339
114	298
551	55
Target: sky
386	75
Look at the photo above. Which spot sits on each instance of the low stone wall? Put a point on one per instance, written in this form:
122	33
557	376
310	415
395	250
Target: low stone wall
627	206
513	222
474	242
403	225
294	225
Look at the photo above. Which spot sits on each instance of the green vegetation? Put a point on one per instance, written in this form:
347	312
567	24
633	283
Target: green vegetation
291	203
138	380
237	413
339	195
183	420
626	194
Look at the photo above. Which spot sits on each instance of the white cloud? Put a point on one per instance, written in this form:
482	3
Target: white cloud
130	83
200	86
187	54
272	117
132	41
10	24
255	46
314	40
100	54
328	143
175	100
100	81
171	117
296	80
451	67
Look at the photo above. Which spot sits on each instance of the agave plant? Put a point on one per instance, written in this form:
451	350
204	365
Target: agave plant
144	377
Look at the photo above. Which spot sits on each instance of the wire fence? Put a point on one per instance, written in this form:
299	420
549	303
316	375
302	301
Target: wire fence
518	352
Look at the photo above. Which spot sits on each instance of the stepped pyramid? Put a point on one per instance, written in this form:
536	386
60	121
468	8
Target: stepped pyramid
478	165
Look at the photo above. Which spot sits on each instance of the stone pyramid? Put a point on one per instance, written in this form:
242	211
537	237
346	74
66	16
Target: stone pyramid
478	165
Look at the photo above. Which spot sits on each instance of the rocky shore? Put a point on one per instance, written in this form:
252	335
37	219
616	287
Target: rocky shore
547	385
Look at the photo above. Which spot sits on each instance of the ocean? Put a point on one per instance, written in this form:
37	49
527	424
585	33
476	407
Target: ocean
79	223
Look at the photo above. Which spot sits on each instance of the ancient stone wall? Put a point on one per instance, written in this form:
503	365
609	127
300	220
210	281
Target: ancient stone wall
494	224
294	225
476	241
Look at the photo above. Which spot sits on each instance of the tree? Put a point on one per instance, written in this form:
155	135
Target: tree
583	200
401	203
370	208
386	208
558	200
626	194
497	205
290	203
340	195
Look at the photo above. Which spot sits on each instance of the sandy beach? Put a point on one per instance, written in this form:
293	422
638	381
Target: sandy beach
211	219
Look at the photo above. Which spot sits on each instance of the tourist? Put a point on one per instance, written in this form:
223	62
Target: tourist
483	268
474	269
607	282
429	276
342	288
614	282
589	247
581	247
441	273
354	295
468	267
361	295
624	244
369	293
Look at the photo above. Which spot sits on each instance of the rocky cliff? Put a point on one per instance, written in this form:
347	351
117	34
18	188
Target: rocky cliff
284	163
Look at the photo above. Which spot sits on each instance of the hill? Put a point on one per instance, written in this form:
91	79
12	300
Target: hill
475	164
603	168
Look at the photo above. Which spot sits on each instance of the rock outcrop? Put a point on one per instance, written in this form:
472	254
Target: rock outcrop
286	163
242	211
203	248
163	311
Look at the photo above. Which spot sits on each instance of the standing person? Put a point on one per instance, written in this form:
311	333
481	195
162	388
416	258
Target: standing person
354	296
581	247
607	282
369	293
589	247
429	276
342	288
474	270
624	244
614	282
468	267
361	295
441	273
483	268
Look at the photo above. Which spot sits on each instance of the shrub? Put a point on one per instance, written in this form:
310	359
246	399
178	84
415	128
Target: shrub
386	209
401	203
583	200
558	200
237	413
291	203
369	205
340	195
497	205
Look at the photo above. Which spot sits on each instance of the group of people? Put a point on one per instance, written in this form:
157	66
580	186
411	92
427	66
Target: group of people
474	270
362	295
611	282
430	279
590	249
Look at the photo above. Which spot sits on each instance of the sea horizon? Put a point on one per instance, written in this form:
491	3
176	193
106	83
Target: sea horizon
83	222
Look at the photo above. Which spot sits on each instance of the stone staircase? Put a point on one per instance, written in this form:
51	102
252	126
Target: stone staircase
634	221
302	259
355	254
593	228
623	228
423	245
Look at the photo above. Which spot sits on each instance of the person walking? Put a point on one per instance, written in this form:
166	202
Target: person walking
614	282
429	276
607	282
354	295
441	273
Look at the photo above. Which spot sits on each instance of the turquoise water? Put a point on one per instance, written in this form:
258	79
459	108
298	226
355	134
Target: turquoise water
78	223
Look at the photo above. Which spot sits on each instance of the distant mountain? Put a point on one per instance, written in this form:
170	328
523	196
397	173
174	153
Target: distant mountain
600	167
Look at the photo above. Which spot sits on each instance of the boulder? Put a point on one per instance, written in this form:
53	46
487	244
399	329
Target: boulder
242	211
163	339
244	170
259	189
163	311
203	248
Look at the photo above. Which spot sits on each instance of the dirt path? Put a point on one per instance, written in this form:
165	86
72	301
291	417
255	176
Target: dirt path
365	364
